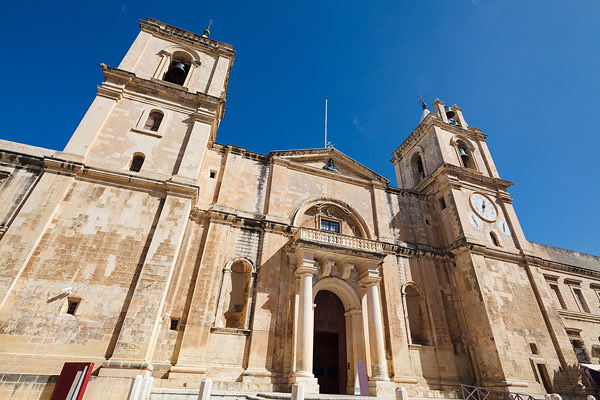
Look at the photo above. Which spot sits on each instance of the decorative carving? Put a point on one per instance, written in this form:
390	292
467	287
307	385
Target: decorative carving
347	270
325	267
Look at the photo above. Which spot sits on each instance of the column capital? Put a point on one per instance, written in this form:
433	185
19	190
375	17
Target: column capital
352	312
369	276
307	267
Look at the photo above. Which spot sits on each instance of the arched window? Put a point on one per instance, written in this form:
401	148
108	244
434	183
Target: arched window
179	68
153	121
233	308
136	162
417	315
418	170
494	239
465	155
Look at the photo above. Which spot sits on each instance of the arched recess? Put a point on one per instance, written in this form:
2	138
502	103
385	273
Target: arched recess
236	293
305	205
185	54
465	151
417	321
417	167
341	289
353	315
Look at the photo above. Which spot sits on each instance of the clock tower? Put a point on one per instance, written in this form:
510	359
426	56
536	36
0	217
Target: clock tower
500	291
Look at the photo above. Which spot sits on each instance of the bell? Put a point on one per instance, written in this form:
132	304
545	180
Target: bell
177	71
462	152
450	114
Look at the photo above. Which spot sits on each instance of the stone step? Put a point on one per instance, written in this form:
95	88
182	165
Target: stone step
192	394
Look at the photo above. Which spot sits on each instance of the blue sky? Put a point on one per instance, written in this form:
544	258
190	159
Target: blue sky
525	72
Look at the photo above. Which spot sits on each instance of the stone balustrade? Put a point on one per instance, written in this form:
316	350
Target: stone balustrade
338	240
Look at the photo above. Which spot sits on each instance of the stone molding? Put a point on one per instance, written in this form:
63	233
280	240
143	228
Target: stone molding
430	121
172	33
81	171
116	76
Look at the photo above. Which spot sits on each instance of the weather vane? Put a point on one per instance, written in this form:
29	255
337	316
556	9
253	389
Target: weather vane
422	101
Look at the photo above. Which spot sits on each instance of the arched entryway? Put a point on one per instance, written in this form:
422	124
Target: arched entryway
329	356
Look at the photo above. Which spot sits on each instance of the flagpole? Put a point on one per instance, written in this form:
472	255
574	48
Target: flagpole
325	123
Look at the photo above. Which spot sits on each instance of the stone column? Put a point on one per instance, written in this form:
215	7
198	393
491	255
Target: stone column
223	296
377	345
369	278
304	346
306	268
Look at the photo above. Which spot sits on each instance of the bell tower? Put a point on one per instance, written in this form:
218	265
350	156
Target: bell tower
500	290
450	162
156	112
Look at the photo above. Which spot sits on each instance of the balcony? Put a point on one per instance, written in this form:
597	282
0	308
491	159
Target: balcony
337	241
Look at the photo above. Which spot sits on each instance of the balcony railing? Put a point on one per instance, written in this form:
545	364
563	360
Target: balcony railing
338	240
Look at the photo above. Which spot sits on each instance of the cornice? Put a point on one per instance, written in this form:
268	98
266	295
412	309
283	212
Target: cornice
11	158
309	154
81	171
432	120
115	76
458	177
579	316
170	32
404	249
553	265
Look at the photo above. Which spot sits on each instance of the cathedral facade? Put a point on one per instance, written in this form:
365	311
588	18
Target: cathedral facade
151	250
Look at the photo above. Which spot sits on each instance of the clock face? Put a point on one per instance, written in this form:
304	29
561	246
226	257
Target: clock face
483	207
475	220
503	227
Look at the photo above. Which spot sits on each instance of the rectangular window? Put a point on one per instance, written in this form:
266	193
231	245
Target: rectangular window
580	300
580	352
442	203
557	296
174	324
331	226
72	305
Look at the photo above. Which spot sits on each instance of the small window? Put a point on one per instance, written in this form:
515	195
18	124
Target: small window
153	121
174	324
494	239
427	221
533	347
331	226
136	162
580	300
212	174
557	295
442	203
72	305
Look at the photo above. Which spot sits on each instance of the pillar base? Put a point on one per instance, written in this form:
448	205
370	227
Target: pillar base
258	376
187	373
310	385
382	388
125	368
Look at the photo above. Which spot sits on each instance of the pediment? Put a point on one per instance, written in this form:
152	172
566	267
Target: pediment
331	160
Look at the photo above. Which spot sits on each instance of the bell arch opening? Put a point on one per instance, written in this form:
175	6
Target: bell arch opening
329	356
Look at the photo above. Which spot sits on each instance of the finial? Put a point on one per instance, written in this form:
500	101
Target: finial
426	112
207	30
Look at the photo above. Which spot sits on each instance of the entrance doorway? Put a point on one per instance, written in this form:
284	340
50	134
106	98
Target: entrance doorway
329	360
